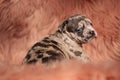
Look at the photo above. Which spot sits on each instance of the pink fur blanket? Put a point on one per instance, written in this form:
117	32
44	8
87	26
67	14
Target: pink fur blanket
24	22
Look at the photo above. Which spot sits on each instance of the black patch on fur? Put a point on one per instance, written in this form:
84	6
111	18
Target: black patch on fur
40	44
46	40
55	47
32	61
53	56
50	41
78	53
62	26
71	27
59	31
39	52
45	59
91	24
50	59
39	56
54	42
52	53
28	56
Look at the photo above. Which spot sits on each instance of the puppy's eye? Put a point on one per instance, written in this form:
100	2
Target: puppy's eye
79	29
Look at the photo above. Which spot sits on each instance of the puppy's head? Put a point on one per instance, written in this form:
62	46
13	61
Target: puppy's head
79	28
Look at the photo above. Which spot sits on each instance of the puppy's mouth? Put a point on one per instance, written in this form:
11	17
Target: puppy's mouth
87	39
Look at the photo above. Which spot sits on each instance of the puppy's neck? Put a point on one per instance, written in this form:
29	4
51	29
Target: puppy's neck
67	38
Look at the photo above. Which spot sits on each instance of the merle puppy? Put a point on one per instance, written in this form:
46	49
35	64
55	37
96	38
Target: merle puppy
65	43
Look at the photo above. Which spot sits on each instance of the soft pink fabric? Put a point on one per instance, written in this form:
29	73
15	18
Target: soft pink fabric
24	22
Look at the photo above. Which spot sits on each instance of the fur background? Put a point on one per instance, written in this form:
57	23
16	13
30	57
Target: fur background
24	22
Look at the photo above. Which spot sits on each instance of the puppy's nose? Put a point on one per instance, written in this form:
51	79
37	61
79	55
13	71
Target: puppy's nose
92	33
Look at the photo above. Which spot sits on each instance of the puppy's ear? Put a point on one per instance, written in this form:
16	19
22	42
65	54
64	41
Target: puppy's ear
62	27
71	27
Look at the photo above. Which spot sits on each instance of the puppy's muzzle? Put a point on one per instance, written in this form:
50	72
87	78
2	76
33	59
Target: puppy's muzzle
92	34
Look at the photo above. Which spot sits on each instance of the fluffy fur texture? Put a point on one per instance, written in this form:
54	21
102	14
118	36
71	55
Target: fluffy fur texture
24	22
61	72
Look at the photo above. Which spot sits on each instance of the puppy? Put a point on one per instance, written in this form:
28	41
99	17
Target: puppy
65	43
